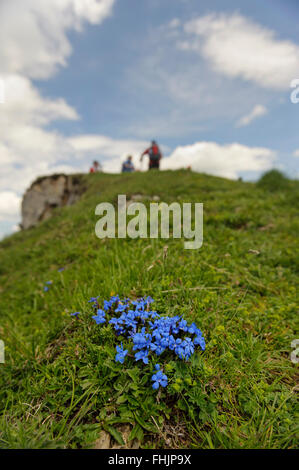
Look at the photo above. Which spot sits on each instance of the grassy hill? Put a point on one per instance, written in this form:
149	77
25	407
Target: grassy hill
60	385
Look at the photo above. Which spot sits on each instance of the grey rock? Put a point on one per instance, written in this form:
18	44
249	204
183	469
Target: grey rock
47	193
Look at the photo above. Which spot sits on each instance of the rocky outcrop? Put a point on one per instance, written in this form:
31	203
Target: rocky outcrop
47	193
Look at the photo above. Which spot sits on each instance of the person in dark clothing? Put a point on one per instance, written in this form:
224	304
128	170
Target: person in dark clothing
154	154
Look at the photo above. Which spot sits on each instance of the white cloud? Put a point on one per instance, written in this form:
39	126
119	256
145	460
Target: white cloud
36	45
24	104
10	205
296	153
258	111
220	160
34	32
26	147
238	47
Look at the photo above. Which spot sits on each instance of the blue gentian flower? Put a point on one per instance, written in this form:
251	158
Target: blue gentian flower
159	379
201	341
188	347
75	314
48	283
183	325
121	307
142	355
141	340
121	354
94	301
99	317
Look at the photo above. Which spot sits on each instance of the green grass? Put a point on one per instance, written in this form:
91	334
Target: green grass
60	385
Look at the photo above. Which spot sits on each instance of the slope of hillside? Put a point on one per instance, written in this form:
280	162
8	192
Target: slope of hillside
60	385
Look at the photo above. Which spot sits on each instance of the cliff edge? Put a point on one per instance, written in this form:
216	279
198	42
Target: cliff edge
47	193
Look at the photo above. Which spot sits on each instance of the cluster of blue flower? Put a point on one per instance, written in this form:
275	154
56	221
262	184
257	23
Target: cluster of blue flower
148	331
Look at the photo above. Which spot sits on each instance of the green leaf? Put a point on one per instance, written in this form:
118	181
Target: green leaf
85	384
136	433
116	434
121	399
182	405
133	402
134	374
147	426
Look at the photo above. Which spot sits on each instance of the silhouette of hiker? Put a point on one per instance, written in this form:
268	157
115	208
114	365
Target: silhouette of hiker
128	166
154	154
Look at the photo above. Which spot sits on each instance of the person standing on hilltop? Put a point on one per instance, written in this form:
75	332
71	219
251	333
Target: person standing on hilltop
154	154
96	167
127	166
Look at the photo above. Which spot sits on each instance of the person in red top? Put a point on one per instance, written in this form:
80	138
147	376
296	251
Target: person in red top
154	154
96	167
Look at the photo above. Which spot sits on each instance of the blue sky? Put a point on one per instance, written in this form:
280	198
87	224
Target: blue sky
210	80
105	77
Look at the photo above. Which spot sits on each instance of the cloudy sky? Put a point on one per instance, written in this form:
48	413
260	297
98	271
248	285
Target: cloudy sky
84	79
